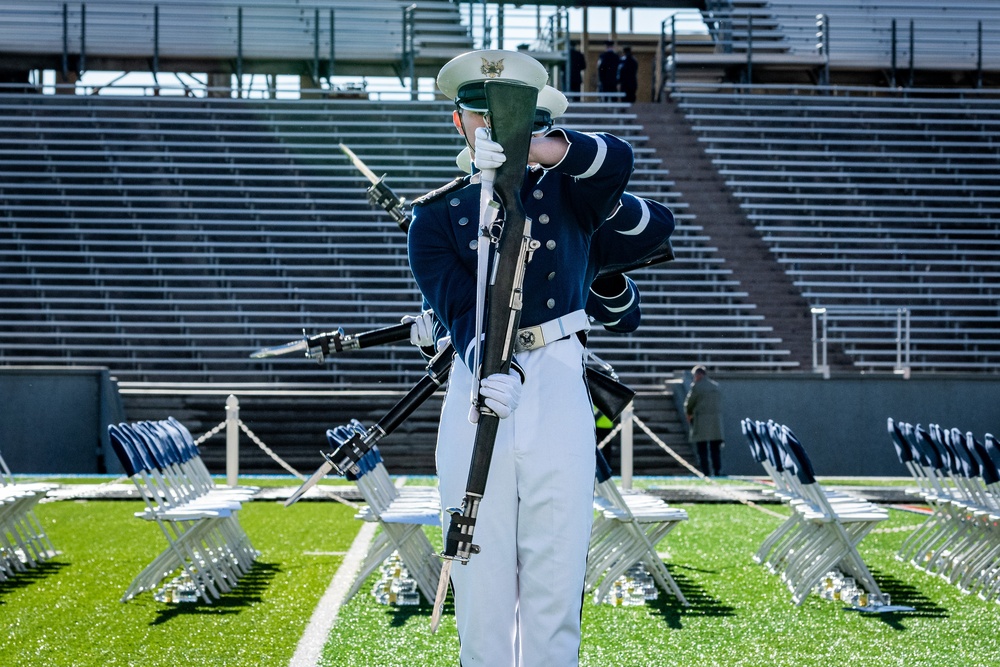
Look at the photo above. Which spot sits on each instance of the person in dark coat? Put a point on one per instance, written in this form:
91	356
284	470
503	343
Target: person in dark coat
703	406
628	74
577	63
607	71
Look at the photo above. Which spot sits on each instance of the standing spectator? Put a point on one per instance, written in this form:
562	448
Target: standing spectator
628	74
607	71
703	406
577	63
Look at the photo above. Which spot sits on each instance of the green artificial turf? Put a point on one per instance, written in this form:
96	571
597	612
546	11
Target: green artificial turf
740	614
67	612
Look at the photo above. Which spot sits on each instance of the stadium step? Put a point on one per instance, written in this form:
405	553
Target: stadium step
714	207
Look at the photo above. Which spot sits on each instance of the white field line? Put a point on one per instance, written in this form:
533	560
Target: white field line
310	648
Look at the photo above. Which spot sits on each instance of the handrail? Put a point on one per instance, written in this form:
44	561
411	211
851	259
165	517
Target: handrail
181	28
820	332
409	50
949	42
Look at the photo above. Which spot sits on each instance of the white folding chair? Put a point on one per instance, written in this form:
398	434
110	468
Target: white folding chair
23	541
626	530
401	514
204	538
825	528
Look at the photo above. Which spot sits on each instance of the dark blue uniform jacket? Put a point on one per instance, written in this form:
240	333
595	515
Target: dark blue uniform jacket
567	203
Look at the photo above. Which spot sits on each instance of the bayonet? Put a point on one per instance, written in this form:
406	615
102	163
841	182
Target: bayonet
345	457
380	194
320	346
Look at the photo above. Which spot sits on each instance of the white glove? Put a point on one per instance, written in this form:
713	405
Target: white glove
422	329
500	393
489	154
443	342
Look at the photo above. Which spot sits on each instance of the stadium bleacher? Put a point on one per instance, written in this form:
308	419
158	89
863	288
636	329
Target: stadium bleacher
369	34
871	198
859	34
168	238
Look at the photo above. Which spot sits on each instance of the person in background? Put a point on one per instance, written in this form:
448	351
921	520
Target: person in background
577	63
628	74
703	406
607	71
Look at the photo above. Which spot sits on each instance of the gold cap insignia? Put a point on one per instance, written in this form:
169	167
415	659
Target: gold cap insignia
491	70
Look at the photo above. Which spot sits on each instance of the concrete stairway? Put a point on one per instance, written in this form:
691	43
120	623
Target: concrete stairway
714	207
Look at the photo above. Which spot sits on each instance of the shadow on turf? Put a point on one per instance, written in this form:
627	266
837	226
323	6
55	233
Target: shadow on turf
401	615
905	595
666	605
29	577
247	591
701	603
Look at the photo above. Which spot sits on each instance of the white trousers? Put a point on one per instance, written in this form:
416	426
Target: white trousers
518	602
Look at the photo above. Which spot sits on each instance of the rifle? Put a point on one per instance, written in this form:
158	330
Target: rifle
511	114
322	345
345	458
380	194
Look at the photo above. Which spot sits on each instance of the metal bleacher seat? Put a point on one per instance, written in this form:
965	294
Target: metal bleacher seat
369	32
870	200
231	224
860	34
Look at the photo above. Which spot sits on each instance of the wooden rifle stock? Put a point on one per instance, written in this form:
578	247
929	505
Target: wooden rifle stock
511	114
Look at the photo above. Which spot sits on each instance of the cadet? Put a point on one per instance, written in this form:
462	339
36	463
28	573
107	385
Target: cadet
519	600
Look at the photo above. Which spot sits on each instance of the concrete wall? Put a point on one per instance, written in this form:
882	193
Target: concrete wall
842	421
54	419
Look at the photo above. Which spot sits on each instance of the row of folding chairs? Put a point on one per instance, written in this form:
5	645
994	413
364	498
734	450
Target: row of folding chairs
207	548
825	528
401	513
23	541
958	476
628	525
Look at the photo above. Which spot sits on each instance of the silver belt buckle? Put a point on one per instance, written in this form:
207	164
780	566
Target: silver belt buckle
529	338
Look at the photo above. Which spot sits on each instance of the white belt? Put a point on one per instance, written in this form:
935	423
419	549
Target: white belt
532	338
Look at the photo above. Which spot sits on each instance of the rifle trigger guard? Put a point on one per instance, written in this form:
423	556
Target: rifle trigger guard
494	231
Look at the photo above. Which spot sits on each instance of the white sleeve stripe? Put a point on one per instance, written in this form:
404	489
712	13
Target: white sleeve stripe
602	151
469	354
641	225
623	308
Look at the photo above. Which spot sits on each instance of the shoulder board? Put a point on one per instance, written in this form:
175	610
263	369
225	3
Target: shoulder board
440	192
